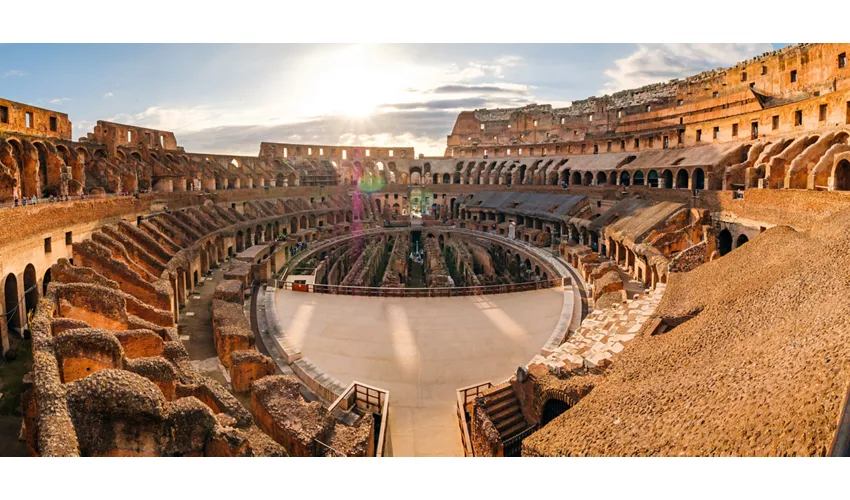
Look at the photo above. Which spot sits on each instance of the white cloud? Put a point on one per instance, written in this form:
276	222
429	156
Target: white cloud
477	69
108	95
653	63
14	72
60	100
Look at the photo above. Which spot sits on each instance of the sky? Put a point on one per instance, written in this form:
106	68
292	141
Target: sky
227	98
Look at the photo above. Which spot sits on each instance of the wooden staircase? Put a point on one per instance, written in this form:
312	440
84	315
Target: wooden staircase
504	410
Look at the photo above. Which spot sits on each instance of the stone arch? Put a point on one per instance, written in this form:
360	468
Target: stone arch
415	175
576	179
10	298
652	179
724	242
240	241
551	409
447	179
25	183
638	178
841	176
667	179
601	178
564	177
682	179
30	289
45	281
699	179
588	179
43	170
625	179
741	240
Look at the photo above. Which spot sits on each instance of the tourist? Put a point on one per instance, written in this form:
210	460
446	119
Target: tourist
16	200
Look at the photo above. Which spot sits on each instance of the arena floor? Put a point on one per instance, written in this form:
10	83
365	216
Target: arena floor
421	350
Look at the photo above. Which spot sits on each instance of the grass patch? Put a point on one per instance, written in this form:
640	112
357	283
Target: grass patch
12	377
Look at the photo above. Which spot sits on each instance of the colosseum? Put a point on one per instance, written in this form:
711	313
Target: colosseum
658	272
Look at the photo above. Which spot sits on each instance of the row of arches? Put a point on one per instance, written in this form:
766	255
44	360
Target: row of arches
21	293
682	179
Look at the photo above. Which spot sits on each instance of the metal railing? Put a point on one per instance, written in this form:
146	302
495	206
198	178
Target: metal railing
465	397
513	447
368	399
459	291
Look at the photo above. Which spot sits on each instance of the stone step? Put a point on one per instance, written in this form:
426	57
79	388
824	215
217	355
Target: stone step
505	412
500	395
509	423
513	431
497	406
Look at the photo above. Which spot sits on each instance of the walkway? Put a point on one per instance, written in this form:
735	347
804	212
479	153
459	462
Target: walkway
195	329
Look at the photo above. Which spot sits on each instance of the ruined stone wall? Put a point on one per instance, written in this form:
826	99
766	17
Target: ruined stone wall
42	122
313	151
116	134
113	313
638	119
397	268
436	273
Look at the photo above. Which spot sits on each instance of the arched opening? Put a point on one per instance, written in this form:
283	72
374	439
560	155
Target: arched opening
31	288
667	179
842	176
240	241
564	177
600	179
652	179
41	150
447	179
436	179
741	240
552	409
724	242
624	179
588	179
638	179
699	179
45	282
576	179
10	291
682	179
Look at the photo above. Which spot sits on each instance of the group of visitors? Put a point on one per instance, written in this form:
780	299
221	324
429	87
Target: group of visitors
300	246
33	200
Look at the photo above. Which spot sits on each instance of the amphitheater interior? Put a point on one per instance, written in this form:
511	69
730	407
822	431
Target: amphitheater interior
661	271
